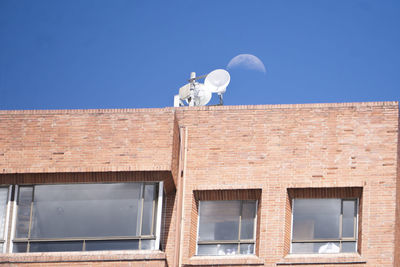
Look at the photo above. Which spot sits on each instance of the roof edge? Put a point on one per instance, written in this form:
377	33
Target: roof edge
236	107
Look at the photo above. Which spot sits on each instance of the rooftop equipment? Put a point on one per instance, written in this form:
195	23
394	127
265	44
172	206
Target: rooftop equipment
199	94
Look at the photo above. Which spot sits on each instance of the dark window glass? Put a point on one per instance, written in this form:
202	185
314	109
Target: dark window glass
23	211
55	246
349	216
316	219
324	225
123	211
349	246
86	210
112	245
20	247
219	220
247	220
222	221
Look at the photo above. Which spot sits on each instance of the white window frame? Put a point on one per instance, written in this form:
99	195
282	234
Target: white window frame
6	217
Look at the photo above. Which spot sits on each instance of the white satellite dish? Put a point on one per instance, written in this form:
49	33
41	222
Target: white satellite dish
203	95
198	94
217	81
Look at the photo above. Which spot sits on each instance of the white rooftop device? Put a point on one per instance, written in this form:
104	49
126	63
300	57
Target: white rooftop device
217	80
198	94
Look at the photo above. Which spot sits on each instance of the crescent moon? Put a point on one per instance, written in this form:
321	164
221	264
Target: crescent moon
247	61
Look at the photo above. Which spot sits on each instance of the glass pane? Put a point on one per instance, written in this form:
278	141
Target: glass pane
247	223
349	247
23	211
55	246
247	249
1	247
217	249
20	247
149	192
86	210
302	248
316	219
322	247
348	218
147	244
3	210
112	245
219	220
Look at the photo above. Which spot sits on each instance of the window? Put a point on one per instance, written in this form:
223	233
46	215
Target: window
226	227
324	225
86	217
4	197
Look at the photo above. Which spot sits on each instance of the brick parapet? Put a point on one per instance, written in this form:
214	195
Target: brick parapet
84	141
227	107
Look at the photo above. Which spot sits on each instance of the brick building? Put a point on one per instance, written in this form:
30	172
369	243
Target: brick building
268	185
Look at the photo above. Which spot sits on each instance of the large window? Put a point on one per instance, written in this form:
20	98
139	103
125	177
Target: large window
86	217
326	225
226	227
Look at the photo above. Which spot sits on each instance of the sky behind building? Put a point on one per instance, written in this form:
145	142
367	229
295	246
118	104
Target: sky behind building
136	54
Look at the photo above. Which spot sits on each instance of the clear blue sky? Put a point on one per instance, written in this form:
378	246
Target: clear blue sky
133	54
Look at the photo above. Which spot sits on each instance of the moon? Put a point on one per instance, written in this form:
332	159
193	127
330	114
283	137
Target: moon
247	61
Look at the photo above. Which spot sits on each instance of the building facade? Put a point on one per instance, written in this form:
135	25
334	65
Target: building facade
265	185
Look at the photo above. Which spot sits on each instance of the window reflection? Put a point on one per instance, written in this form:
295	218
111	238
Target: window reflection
226	227
324	225
86	214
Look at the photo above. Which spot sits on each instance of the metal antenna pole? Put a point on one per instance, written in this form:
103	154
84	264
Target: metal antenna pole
192	81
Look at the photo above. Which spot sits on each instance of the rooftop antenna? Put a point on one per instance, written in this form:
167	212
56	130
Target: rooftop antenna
199	94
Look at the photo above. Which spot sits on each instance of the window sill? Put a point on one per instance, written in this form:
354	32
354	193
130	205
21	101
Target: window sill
83	256
342	258
225	260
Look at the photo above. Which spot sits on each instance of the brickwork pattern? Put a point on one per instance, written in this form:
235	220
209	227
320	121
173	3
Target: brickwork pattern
299	146
267	147
85	141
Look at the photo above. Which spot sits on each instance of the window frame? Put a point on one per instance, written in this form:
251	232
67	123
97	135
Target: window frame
340	240
155	227
4	240
239	241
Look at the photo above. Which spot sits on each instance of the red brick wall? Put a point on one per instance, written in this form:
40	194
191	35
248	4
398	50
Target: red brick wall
86	140
278	147
270	148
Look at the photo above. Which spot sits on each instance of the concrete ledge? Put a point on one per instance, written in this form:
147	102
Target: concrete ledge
311	259
92	256
224	260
